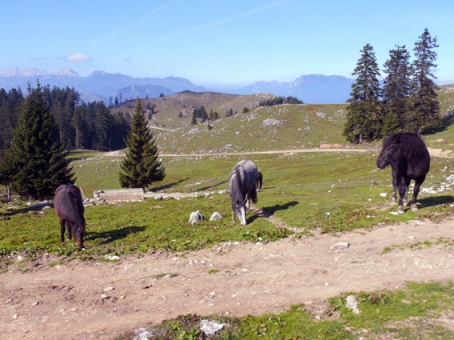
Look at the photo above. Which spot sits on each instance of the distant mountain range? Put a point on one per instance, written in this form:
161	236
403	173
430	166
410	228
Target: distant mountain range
312	89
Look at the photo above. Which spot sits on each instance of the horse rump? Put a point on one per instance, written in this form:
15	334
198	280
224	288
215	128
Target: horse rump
243	188
68	206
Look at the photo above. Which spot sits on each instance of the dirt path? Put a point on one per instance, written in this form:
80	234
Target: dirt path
101	300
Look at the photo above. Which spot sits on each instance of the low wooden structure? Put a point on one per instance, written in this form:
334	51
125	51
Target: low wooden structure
120	194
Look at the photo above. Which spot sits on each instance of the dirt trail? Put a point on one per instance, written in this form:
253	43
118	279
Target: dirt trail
67	302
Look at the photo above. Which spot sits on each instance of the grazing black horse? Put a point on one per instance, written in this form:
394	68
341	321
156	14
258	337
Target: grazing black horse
409	159
70	210
259	180
243	188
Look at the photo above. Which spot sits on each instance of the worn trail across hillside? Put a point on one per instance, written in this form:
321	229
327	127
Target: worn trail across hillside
101	300
432	152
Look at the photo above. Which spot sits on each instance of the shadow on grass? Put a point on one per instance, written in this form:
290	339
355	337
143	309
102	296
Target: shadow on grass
169	185
434	201
271	210
212	187
35	207
113	235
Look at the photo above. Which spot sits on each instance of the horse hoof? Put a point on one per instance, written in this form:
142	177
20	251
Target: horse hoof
401	211
414	207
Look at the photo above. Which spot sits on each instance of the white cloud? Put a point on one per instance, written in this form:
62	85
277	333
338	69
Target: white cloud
76	57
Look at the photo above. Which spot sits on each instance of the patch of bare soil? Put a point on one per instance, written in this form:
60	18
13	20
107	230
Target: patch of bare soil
101	300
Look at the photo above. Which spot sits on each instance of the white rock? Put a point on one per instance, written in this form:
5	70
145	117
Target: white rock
340	245
352	303
215	216
210	327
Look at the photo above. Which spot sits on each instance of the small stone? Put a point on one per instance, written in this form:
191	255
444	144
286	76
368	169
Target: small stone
108	289
104	296
340	245
36	303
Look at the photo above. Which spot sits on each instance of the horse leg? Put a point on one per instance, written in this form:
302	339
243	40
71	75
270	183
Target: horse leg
402	190
62	231
407	185
395	184
69	228
415	194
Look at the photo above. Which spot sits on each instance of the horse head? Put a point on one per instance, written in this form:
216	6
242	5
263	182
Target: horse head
240	211
390	152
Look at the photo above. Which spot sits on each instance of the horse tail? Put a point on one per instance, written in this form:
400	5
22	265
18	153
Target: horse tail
252	194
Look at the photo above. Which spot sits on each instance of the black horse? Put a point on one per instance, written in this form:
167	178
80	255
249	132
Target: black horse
70	210
243	188
409	159
259	180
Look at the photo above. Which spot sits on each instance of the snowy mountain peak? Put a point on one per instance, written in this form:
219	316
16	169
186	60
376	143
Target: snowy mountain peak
21	72
66	71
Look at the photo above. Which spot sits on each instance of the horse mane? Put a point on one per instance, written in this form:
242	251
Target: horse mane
411	145
235	186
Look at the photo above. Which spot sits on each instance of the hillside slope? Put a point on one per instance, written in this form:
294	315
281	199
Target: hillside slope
167	108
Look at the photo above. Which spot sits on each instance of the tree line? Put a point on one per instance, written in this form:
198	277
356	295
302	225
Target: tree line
39	129
406	100
80	125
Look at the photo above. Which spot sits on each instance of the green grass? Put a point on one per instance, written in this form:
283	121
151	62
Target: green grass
333	192
416	311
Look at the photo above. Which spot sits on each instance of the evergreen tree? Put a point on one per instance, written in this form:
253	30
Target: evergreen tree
194	117
39	158
10	104
141	166
425	108
396	89
103	122
7	170
203	114
364	118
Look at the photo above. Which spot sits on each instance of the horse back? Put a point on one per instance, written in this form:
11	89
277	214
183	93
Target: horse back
68	203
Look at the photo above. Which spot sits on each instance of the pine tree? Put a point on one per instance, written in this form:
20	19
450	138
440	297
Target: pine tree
194	117
141	166
39	158
364	118
425	108
7	170
396	89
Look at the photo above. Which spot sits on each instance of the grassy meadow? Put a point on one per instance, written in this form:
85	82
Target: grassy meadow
329	191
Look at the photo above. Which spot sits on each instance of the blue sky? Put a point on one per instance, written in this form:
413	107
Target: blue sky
218	43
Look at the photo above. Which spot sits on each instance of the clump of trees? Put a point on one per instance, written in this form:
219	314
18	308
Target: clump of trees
36	164
80	125
202	114
280	100
40	128
407	101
